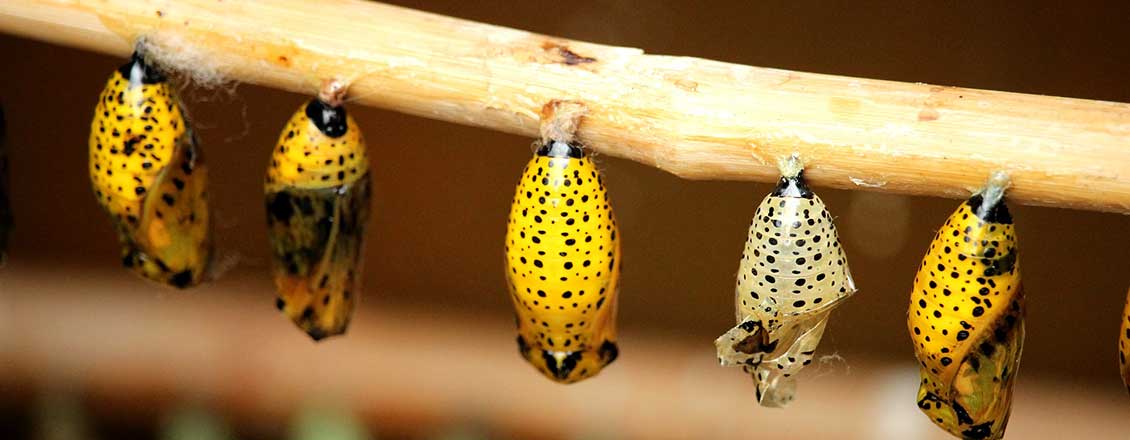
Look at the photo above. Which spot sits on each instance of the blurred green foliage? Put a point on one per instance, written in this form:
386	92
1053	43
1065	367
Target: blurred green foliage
327	422
193	422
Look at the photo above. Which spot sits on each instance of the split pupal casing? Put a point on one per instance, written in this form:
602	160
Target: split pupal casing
563	264
317	199
966	319
793	272
149	175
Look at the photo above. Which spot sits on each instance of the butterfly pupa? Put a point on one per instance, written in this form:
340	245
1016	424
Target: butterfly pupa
563	259
1124	344
793	272
150	177
317	204
966	317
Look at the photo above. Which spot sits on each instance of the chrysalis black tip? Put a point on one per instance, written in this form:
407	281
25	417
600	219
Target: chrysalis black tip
149	74
561	370
561	149
793	187
181	280
609	352
317	334
995	214
330	120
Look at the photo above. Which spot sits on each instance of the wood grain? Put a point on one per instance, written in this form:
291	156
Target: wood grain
696	118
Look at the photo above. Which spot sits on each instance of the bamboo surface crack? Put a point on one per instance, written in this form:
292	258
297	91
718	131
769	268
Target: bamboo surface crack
695	118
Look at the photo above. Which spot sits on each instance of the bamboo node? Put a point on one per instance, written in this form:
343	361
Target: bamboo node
560	120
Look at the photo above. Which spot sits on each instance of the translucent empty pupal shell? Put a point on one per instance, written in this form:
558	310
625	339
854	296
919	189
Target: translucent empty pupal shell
966	318
793	272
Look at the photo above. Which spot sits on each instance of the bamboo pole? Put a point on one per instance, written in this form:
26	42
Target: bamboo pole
695	118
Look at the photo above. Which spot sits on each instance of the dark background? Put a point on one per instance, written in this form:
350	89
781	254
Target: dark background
442	191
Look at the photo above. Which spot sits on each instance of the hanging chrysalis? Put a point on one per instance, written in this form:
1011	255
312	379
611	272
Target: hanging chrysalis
966	317
563	255
5	204
792	274
148	174
1124	344
317	199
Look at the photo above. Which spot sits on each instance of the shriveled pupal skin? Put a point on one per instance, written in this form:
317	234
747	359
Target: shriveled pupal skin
317	199
966	319
1124	344
563	264
149	175
5	202
793	272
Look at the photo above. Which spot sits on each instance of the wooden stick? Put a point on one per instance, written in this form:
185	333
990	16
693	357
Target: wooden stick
696	118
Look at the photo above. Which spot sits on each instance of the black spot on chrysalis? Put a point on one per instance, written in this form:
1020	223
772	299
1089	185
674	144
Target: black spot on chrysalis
147	73
793	187
330	120
995	214
561	149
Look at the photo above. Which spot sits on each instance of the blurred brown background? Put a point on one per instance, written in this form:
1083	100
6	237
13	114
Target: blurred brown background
442	193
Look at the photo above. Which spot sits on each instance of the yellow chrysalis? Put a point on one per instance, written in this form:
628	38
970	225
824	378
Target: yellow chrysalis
317	200
966	318
563	264
148	174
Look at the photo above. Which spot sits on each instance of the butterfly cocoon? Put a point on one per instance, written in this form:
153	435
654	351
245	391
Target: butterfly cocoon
149	175
793	272
563	262
317	203
966	318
